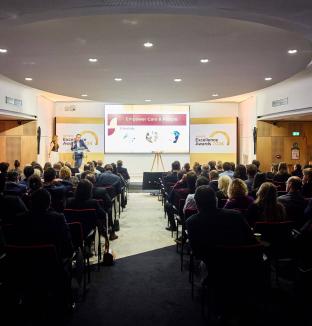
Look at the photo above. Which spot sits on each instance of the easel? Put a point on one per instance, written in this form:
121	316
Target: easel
158	160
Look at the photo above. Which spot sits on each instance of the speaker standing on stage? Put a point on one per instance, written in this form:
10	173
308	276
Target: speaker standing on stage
78	146
53	152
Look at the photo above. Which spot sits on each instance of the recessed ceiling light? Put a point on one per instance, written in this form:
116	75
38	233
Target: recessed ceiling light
177	80
93	60
3	50
204	60
215	95
28	79
268	78
292	51
84	95
148	44
118	79
148	100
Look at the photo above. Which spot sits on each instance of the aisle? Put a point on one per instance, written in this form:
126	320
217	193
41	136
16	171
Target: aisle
142	227
145	287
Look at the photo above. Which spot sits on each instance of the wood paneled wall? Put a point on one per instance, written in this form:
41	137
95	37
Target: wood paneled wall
18	141
276	139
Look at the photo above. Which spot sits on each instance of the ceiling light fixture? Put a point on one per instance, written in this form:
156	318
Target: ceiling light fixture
292	51
268	78
28	79
204	60
3	50
148	44
118	79
148	100
177	80
93	60
215	95
84	95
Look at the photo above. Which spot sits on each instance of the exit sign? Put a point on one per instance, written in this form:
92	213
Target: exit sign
296	133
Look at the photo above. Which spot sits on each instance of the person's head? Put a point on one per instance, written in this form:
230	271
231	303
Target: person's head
108	167
94	163
297	167
219	165
267	199
99	163
205	199
4	166
40	200
293	184
205	169
175	166
119	163
232	166
90	177
92	166
84	190
65	173
282	168
195	166
187	167
307	175
198	170
201	181
57	166
55	139
274	168
78	137
17	164
47	165
237	189
33	163
223	184
251	170
12	176
114	168
37	172
213	175
212	165
34	183
191	180
28	171
240	172
226	166
49	175
259	179
256	163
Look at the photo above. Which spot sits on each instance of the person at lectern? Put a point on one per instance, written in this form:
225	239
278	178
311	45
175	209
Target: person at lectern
78	146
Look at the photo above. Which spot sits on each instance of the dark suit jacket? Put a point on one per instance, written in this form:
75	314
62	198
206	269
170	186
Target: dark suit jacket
123	172
14	188
90	203
217	227
74	146
214	185
307	190
294	204
10	207
109	179
47	227
102	193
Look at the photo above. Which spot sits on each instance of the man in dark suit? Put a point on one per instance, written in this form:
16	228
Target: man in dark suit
173	176
215	226
109	179
78	146
214	176
123	171
293	201
12	187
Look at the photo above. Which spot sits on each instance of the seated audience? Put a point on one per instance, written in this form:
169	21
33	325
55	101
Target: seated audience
46	166
297	172
251	172
28	172
66	179
99	166
107	178
293	201
186	168
34	183
172	177
282	175
266	207
213	226
57	167
307	183
4	167
213	177
190	201
274	169
73	170
257	164
212	165
227	170
219	167
122	171
259	179
17	169
205	171
238	195
12	186
240	172
222	193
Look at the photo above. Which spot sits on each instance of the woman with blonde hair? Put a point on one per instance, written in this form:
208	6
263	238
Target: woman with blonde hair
238	195
222	193
53	150
266	207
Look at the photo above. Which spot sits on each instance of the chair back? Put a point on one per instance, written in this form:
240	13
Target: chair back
86	217
189	212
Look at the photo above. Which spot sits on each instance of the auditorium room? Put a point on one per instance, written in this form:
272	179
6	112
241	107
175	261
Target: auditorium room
155	163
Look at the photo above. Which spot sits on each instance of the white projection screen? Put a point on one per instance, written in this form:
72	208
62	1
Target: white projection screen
146	129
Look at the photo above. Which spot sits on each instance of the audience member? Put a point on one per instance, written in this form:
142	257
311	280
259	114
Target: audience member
122	171
28	171
190	201
293	201
251	172
172	177
266	207
297	172
307	183
227	170
220	167
107	178
17	168
282	175
212	165
12	186
257	164
259	179
205	171
213	226
240	172
99	166
34	184
222	193
213	177
186	168
238	195
46	166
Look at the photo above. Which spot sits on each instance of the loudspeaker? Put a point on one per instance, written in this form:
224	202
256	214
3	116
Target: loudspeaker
151	180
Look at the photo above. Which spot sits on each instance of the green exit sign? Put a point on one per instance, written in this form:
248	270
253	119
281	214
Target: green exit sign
296	133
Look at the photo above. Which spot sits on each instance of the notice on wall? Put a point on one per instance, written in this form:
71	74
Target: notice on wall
213	138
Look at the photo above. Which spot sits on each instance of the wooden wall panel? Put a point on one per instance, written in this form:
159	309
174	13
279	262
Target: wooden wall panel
288	144
263	129
280	130
264	152
277	148
2	149
28	149
13	149
30	128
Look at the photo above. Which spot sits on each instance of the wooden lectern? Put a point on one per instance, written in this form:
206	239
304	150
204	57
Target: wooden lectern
158	160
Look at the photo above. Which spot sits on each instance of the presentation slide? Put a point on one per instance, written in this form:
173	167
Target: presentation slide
146	131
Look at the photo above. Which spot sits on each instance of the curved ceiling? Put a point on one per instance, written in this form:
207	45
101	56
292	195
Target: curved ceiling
55	52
